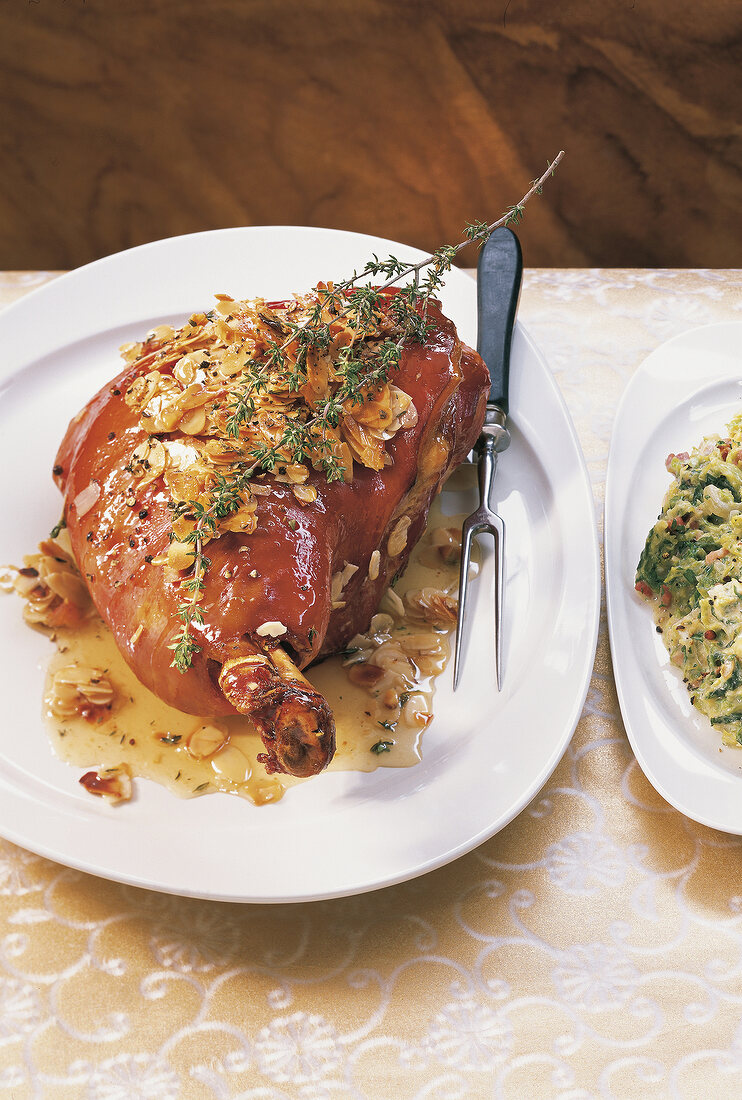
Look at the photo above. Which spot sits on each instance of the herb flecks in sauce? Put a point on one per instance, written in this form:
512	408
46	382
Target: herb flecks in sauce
136	730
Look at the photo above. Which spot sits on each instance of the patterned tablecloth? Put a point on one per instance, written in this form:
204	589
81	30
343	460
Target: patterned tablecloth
593	948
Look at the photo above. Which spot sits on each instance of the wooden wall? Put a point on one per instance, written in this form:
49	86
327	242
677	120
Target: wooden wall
123	121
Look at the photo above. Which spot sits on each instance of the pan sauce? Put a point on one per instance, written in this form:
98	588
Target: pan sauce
152	738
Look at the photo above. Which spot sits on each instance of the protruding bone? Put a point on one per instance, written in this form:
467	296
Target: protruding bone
294	719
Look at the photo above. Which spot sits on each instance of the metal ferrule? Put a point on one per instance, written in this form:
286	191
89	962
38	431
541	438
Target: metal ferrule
494	434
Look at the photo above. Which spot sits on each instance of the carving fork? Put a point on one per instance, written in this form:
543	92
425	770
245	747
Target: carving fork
498	286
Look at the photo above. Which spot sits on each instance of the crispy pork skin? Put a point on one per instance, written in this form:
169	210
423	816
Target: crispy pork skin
281	573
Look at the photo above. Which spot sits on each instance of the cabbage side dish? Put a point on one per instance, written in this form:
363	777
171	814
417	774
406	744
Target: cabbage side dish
691	568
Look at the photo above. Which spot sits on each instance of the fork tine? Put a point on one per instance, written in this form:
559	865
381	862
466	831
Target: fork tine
467	534
476	524
498	530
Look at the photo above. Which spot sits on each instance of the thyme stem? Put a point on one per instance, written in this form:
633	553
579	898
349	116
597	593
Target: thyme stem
409	310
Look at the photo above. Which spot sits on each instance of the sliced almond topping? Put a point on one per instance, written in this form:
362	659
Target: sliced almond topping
193	423
259	489
305	494
365	674
85	499
244	520
68	586
447	541
398	538
7	578
432	605
297	473
271	629
381	624
149	460
181	455
160	333
392	604
340	579
76	688
206	740
180	555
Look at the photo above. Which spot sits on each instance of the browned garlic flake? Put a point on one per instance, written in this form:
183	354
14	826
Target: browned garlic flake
114	784
433	606
77	688
389	659
51	585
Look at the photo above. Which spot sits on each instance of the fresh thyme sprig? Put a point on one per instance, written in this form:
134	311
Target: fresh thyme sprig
442	259
226	499
362	307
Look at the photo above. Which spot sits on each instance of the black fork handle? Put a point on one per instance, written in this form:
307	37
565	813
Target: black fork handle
499	274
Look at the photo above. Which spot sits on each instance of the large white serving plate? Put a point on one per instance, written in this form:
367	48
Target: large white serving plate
688	388
485	755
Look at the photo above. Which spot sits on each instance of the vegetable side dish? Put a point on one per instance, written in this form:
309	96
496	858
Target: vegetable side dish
691	567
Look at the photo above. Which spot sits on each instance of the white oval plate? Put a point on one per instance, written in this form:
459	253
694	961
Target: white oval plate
689	387
485	755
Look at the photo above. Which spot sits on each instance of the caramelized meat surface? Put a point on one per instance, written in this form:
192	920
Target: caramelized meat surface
290	591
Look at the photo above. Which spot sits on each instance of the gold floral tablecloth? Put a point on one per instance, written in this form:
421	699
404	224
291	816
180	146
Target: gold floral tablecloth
593	948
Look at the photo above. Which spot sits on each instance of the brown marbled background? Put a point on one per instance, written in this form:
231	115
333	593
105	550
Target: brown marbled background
123	121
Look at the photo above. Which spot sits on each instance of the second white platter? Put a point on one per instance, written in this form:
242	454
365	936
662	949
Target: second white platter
688	388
